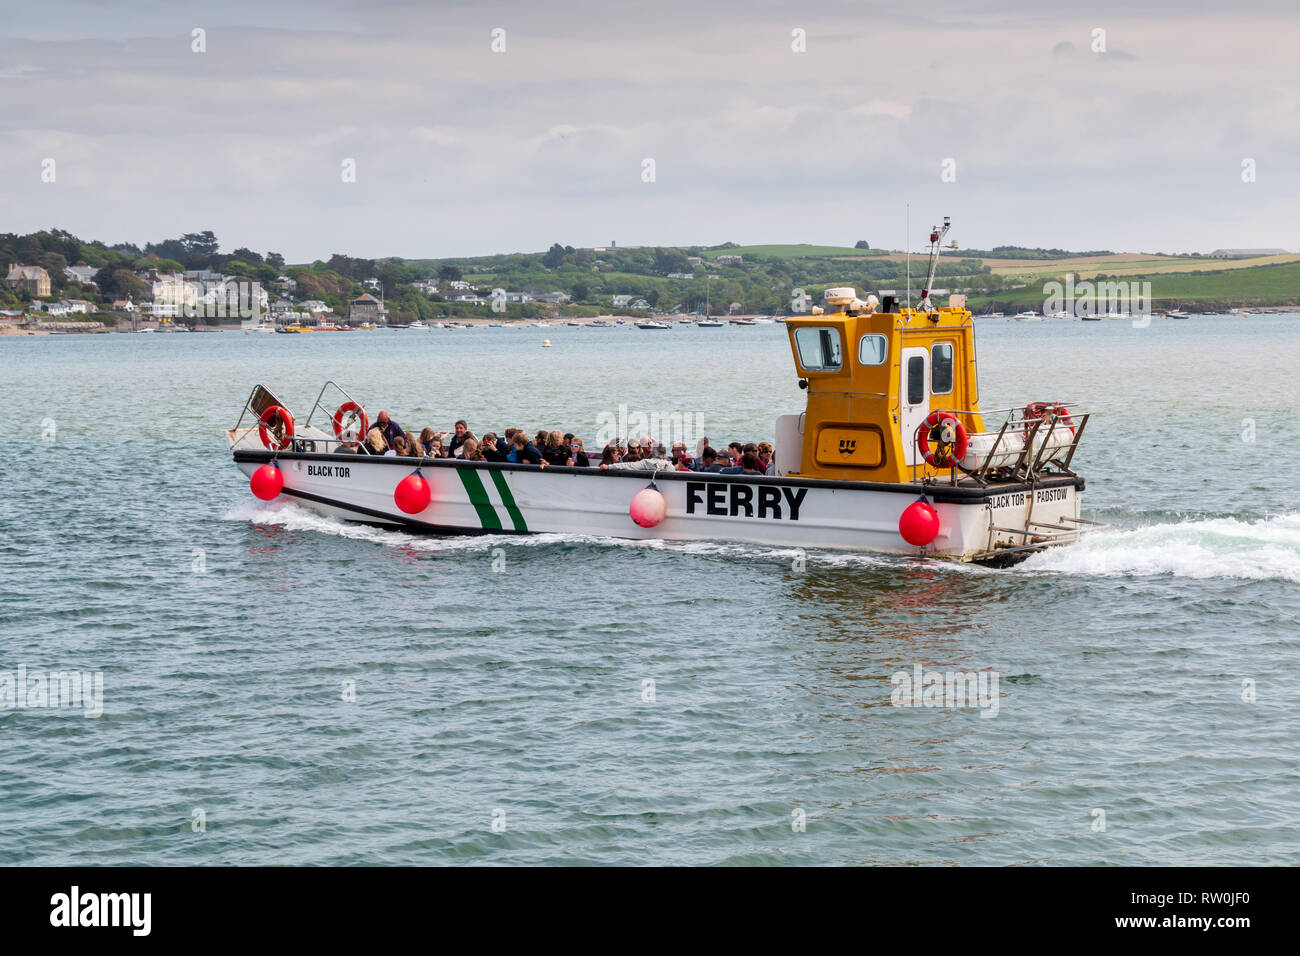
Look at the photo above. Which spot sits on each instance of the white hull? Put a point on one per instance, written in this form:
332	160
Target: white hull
778	512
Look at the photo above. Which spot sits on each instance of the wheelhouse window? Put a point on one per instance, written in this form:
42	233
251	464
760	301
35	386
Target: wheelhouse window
872	350
819	349
915	380
941	368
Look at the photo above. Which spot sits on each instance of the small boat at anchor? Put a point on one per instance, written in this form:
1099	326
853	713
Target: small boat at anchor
891	453
653	325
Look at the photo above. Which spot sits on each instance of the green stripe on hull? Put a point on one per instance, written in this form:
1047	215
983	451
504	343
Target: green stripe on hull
487	515
503	489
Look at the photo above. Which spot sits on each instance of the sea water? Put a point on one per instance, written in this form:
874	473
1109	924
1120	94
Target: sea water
279	687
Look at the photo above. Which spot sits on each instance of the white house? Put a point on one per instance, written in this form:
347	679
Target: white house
621	301
78	305
681	275
427	286
84	274
316	305
57	310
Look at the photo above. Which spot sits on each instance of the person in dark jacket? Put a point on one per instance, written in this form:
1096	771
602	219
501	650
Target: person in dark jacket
462	433
579	454
526	452
389	427
709	460
491	448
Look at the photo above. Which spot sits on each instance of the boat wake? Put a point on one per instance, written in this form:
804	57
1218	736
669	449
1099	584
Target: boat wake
1261	550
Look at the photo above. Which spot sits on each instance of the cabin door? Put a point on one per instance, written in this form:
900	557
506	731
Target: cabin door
913	399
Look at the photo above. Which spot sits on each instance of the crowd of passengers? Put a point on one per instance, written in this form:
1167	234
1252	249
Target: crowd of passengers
559	448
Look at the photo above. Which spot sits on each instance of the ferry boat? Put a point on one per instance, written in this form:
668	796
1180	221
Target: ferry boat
891	453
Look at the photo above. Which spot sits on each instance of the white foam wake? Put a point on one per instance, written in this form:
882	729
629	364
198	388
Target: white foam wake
1259	550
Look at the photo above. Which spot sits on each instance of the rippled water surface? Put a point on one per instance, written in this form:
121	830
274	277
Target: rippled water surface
519	695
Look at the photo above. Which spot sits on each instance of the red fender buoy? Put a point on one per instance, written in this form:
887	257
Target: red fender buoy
919	523
960	442
267	481
648	507
413	493
357	412
276	413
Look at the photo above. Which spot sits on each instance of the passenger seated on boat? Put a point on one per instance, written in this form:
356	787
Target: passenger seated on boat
389	427
709	460
766	463
526	452
376	444
734	452
610	455
469	450
580	459
427	435
347	448
458	439
413	446
434	447
748	466
490	449
680	456
400	448
555	451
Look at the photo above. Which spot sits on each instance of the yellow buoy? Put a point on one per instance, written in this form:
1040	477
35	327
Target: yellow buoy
546	343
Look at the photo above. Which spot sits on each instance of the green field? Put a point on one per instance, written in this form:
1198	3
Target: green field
1259	285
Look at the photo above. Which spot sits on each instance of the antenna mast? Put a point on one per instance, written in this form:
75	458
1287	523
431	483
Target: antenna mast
907	245
936	236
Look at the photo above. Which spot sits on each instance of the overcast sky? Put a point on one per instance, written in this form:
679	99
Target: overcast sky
462	151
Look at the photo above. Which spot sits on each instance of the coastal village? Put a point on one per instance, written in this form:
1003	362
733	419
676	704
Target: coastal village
184	299
127	289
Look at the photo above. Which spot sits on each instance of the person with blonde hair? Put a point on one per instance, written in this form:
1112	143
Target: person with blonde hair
766	463
555	451
469	450
376	444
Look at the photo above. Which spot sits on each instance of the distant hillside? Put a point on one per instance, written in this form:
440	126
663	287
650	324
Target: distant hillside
756	279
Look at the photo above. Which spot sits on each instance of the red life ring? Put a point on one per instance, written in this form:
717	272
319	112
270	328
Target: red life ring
286	425
1041	410
936	456
355	410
